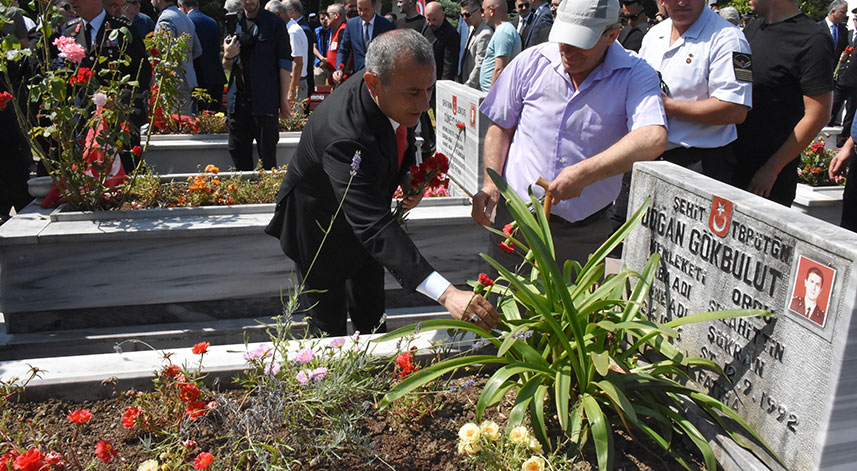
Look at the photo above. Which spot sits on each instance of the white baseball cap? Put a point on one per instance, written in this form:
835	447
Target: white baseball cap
580	23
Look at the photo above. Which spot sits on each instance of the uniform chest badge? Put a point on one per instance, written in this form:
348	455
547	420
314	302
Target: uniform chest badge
77	28
689	58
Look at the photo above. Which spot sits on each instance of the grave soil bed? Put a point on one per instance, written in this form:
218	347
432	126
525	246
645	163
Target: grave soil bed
429	444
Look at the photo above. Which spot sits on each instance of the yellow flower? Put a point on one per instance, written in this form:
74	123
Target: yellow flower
534	445
519	434
469	448
490	429
148	465
469	433
535	463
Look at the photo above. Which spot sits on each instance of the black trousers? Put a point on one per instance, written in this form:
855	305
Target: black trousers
715	162
243	129
847	95
327	298
849	197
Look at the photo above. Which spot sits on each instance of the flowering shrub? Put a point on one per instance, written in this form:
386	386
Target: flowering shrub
486	448
814	164
206	189
569	344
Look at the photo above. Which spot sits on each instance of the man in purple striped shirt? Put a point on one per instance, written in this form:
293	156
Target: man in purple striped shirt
578	111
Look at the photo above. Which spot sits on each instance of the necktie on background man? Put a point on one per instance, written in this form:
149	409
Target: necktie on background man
366	36
401	142
87	31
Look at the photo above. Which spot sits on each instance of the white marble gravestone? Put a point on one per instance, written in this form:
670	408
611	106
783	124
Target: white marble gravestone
458	104
791	378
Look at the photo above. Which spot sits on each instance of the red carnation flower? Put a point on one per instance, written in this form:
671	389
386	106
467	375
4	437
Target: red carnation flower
485	280
129	418
505	247
200	348
203	460
5	98
154	52
80	416
136	150
104	451
29	461
405	363
460	126
82	76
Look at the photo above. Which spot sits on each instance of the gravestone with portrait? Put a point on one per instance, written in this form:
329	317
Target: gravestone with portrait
722	248
460	129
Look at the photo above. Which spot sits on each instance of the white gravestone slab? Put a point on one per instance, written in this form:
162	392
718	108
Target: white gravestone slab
792	377
458	104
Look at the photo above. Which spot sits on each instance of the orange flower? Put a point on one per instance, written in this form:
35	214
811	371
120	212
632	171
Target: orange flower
104	451
200	348
210	168
203	460
129	418
80	416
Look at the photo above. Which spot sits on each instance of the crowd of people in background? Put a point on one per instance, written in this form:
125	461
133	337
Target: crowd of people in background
743	95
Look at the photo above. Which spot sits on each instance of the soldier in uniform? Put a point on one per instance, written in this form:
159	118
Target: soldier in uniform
92	30
807	305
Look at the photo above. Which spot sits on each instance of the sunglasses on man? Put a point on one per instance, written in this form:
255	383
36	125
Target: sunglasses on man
523	5
467	14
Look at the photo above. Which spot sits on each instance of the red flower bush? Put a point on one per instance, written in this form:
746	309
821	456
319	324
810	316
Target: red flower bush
104	451
83	75
203	460
29	461
405	363
80	416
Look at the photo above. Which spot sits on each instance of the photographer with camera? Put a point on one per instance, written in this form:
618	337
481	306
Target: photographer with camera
256	49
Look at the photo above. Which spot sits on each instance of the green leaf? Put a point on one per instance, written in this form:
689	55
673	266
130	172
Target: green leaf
641	290
602	435
717	315
438	324
562	394
425	375
501	376
618	236
691	432
620	401
601	360
537	416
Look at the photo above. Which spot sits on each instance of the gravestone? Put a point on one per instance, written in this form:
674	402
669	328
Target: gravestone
458	104
790	377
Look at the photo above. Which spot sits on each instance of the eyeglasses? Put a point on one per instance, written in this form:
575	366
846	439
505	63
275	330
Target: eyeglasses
523	5
634	16
467	14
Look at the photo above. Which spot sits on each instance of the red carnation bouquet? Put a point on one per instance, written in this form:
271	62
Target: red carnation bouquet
430	176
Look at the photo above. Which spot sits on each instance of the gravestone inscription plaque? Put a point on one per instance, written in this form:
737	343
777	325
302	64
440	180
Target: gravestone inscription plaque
460	128
790	377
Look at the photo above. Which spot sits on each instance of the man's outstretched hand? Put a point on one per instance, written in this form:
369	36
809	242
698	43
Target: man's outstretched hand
464	305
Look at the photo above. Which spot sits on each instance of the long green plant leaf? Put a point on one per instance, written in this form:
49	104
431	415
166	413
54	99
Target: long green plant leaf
501	376
602	435
717	315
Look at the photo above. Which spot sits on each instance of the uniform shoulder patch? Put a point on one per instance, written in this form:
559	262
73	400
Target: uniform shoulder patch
742	65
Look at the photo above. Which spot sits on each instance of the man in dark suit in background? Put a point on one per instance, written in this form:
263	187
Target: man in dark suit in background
92	31
445	41
359	32
357	159
834	24
209	70
540	24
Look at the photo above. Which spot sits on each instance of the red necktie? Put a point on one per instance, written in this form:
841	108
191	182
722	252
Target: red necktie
401	142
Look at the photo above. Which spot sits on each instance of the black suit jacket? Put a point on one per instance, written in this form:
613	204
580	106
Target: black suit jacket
446	42
346	122
841	41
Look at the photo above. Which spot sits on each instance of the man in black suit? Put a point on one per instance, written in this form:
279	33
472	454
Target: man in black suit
834	24
540	25
445	41
92	30
355	150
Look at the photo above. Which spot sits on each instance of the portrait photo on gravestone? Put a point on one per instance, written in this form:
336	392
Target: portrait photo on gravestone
811	290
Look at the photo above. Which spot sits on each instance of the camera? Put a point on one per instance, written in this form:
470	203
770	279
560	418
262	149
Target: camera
245	37
231	20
